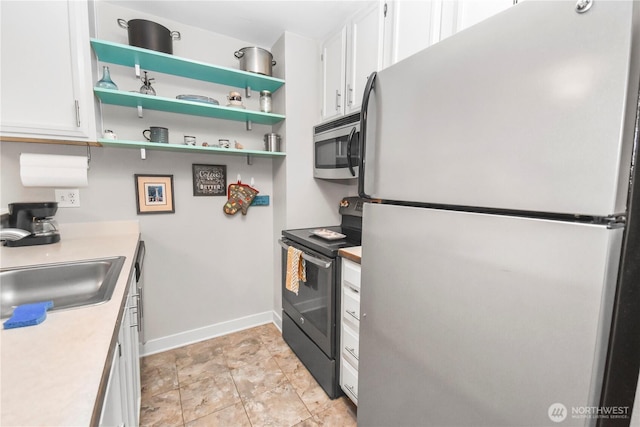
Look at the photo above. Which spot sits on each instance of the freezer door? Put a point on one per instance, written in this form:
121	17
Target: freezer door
532	109
482	320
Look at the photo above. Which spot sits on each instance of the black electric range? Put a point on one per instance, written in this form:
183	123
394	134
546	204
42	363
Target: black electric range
310	310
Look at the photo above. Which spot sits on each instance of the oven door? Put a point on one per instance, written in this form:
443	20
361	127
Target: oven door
337	153
313	308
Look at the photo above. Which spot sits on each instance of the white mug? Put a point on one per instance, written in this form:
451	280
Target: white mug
224	143
189	140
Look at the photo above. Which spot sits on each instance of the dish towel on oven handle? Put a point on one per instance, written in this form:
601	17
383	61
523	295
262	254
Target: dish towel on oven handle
296	269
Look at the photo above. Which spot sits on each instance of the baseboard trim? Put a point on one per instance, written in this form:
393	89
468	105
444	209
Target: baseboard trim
212	331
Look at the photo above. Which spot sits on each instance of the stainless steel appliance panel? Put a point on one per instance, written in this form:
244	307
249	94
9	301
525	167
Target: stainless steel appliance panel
501	117
470	319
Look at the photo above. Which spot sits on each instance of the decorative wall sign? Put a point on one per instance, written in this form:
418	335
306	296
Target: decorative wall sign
154	194
209	180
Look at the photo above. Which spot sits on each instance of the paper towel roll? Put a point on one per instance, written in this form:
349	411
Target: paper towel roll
48	170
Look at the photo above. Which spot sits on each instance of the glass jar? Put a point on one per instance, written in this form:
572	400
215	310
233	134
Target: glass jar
265	101
106	82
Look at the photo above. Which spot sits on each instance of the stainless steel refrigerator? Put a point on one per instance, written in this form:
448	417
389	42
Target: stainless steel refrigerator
500	257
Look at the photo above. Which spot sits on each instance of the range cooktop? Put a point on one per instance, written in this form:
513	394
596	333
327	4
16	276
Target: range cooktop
326	246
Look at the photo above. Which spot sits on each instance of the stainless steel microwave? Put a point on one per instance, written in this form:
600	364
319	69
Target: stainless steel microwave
336	152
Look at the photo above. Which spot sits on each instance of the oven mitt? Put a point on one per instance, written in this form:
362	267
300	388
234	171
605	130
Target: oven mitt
240	197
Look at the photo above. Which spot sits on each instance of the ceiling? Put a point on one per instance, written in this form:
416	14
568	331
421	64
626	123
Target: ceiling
260	22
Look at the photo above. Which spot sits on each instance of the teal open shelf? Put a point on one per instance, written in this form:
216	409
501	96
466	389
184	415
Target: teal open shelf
172	105
131	56
187	148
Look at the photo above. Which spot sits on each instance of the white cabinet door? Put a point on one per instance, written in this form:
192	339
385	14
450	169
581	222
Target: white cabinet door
364	54
46	70
112	411
131	354
333	75
414	25
460	14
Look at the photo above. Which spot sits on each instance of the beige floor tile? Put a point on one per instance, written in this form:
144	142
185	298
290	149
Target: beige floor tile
156	379
276	388
287	360
341	412
197	361
309	422
231	416
204	397
278	407
255	378
245	351
162	410
310	392
272	339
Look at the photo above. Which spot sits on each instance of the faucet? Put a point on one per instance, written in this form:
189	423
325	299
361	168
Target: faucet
13	233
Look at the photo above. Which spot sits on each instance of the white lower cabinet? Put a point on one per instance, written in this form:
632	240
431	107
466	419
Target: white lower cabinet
349	328
121	405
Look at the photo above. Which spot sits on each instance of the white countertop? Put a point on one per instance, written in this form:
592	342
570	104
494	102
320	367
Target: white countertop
51	373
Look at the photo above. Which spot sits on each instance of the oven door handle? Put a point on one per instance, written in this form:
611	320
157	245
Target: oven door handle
313	260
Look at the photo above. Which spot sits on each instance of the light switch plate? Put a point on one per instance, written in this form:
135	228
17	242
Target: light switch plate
68	198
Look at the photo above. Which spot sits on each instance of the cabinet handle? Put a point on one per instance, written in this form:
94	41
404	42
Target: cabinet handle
349	94
352	351
338	99
77	113
351	389
353	314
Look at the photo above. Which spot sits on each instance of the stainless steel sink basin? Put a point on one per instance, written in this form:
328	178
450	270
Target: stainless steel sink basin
72	284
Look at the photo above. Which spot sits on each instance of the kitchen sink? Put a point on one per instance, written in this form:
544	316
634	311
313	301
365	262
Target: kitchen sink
68	285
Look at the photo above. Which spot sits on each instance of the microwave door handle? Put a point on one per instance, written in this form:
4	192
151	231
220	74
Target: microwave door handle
313	260
349	143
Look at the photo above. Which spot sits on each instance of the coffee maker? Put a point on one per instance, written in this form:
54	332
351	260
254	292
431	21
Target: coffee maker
36	218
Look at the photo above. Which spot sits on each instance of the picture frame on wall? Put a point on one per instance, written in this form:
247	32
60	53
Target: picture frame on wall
209	180
154	194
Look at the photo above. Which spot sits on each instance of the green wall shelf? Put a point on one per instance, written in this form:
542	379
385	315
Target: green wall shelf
172	105
187	148
131	56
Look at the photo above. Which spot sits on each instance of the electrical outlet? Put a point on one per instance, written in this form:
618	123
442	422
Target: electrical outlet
68	198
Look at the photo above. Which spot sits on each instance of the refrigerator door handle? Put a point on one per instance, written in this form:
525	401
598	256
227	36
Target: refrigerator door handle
349	145
363	133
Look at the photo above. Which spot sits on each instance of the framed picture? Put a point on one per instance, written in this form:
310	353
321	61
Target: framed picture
209	180
154	194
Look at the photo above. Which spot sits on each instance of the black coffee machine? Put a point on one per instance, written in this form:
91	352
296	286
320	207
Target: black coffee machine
36	218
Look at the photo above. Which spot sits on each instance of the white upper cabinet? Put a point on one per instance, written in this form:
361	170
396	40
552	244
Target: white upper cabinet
334	52
414	25
348	58
46	70
461	14
417	24
364	54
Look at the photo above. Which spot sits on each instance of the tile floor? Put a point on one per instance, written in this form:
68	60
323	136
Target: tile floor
249	378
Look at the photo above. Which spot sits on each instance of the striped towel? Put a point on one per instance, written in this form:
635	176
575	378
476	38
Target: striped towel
296	270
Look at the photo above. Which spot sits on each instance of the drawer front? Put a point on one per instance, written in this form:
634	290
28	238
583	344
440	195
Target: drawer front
349	381
350	345
351	273
351	308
